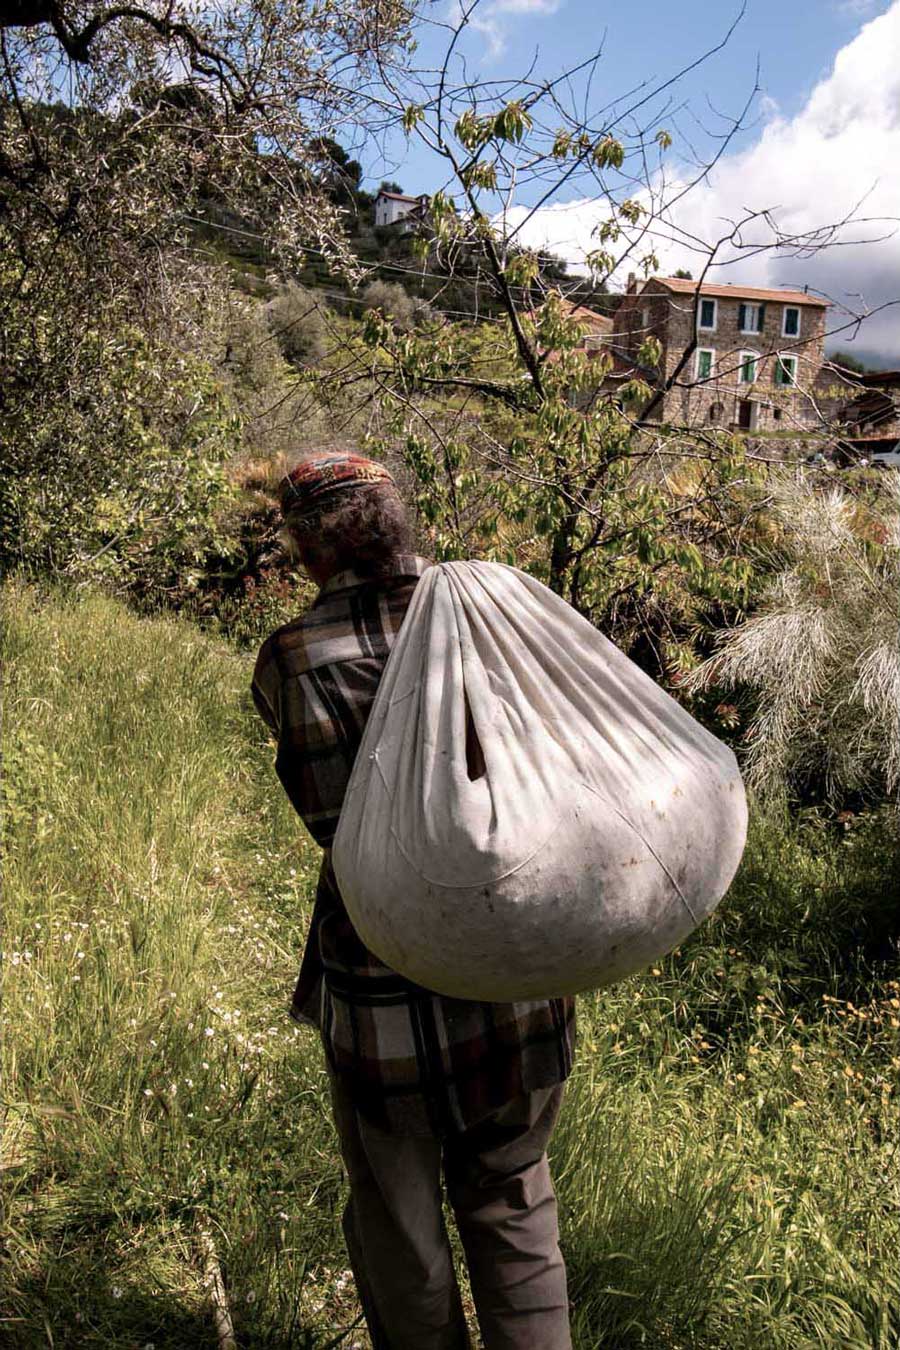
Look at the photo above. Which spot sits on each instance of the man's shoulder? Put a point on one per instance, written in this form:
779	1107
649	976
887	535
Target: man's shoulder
349	621
328	634
289	638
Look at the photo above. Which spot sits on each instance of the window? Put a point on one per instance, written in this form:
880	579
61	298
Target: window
751	318
790	325
749	363
707	319
786	370
705	361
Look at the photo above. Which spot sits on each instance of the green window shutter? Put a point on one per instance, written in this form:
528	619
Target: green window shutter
762	318
742	317
704	365
779	371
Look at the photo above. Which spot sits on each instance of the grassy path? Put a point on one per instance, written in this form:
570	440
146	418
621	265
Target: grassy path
728	1163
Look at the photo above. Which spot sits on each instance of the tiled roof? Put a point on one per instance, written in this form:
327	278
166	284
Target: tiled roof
400	196
719	290
880	378
601	323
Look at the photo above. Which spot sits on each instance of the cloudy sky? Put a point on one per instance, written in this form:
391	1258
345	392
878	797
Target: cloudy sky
824	139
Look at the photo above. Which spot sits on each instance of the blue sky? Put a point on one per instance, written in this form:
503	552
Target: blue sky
823	141
795	42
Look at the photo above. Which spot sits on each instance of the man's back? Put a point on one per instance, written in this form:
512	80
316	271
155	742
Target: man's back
412	1060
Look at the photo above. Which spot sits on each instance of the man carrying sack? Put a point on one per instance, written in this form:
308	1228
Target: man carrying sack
421	1083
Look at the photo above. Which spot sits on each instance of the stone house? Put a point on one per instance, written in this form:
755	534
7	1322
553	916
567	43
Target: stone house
758	351
396	208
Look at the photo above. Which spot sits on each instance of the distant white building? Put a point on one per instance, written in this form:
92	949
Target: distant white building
395	208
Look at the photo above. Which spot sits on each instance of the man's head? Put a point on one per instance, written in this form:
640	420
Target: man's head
342	511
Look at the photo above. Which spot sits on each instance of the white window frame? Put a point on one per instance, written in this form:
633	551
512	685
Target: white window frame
780	359
756	307
784	314
742	357
701	326
701	351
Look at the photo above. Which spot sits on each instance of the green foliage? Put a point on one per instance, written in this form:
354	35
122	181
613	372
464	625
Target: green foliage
480	175
650	352
510	123
609	153
522	269
112	456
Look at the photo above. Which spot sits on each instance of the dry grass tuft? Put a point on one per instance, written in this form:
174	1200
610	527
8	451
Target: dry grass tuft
822	655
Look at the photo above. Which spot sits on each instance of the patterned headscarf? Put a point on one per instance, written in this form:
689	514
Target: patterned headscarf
308	487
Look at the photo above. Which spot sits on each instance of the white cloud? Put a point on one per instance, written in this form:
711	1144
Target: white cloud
859	9
839	155
490	21
526	6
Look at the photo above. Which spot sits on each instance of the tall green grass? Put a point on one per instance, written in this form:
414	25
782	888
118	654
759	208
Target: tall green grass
727	1158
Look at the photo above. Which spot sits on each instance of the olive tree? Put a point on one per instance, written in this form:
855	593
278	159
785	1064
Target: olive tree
122	127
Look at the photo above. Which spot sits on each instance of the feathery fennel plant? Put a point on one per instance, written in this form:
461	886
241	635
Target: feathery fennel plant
822	653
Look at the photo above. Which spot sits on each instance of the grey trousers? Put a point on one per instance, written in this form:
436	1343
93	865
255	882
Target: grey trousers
499	1188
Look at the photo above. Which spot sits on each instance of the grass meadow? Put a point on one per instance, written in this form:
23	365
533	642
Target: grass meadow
728	1159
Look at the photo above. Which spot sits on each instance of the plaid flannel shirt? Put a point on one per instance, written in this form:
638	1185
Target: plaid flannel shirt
415	1062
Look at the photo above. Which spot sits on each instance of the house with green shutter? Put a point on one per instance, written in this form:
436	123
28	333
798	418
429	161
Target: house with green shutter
735	357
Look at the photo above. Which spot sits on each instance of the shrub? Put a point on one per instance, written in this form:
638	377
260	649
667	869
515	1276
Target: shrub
822	654
404	310
112	455
298	322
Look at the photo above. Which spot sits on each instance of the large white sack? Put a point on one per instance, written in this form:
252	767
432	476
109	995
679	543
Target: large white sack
606	825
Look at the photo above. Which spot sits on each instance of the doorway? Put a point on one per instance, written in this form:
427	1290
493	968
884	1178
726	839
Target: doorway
747	414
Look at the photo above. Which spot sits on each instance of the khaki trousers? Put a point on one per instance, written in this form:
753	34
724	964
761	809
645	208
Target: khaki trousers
499	1188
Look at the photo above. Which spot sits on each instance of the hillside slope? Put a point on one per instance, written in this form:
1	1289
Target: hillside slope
727	1152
